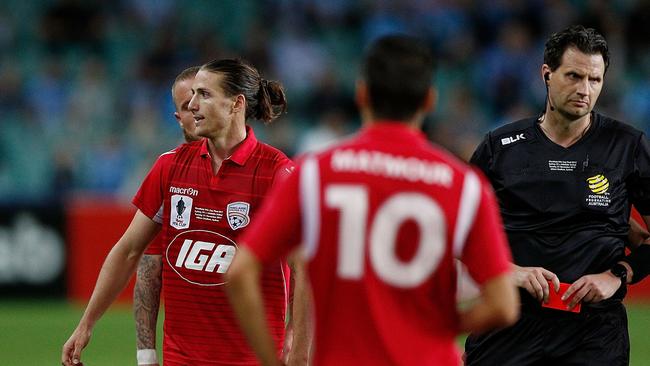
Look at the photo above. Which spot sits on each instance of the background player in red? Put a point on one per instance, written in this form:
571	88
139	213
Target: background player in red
381	218
146	293
210	191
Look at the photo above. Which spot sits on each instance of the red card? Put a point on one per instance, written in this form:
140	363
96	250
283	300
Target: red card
555	298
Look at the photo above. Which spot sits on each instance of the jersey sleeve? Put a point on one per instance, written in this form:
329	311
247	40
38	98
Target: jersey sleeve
149	197
156	246
486	252
639	181
277	228
482	157
284	169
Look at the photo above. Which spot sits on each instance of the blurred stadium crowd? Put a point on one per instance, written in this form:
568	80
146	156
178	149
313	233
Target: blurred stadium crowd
85	104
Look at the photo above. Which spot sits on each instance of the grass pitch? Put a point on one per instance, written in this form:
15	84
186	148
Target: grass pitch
32	333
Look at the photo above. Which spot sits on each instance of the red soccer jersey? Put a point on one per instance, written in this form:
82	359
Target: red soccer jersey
382	217
203	217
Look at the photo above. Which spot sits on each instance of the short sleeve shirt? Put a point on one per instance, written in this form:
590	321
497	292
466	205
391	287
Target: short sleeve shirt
381	218
204	214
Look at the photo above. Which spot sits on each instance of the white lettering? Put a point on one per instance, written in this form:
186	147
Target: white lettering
200	256
221	257
352	202
187	191
511	139
30	252
183	253
194	260
391	166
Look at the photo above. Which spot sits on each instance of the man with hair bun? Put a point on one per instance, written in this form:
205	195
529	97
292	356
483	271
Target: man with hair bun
210	191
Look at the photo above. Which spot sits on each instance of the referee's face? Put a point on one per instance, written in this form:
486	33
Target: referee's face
574	87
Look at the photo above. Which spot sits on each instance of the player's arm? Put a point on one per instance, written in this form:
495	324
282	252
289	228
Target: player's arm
486	255
270	238
602	286
496	306
638	234
243	287
300	325
146	302
637	262
118	267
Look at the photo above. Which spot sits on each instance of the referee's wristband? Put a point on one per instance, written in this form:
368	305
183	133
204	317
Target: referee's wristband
147	357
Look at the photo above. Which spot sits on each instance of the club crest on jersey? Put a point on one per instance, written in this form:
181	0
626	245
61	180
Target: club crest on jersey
181	207
237	213
599	185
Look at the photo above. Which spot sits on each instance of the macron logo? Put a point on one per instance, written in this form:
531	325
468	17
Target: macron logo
186	191
512	139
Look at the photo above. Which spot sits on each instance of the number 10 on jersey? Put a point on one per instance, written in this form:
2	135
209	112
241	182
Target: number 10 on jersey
383	227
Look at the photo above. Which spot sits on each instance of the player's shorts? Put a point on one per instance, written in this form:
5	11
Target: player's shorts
545	337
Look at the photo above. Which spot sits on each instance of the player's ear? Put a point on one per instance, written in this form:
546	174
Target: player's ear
430	100
178	118
361	96
239	103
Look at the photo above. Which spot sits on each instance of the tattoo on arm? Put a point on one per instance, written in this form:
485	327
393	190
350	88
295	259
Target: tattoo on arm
146	300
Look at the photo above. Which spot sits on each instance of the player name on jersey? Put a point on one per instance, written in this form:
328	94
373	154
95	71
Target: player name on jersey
392	166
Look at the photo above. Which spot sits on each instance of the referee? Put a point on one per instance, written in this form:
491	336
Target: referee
565	181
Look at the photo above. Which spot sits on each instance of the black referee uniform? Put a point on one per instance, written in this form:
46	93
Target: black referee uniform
566	210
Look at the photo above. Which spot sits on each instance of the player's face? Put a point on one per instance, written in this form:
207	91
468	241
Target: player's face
575	85
182	97
212	109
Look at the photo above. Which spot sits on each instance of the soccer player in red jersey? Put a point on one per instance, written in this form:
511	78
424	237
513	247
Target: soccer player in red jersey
381	219
210	191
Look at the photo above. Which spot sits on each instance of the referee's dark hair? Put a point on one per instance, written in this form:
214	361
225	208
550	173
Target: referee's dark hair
587	40
398	71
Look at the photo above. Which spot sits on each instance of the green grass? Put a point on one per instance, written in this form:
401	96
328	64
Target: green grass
32	333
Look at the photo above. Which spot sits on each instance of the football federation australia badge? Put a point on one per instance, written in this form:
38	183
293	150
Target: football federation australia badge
237	213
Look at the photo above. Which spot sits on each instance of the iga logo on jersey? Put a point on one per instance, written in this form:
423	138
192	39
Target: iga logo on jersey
201	257
181	207
238	214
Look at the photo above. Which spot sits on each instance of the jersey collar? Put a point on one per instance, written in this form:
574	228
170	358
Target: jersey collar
242	152
394	130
